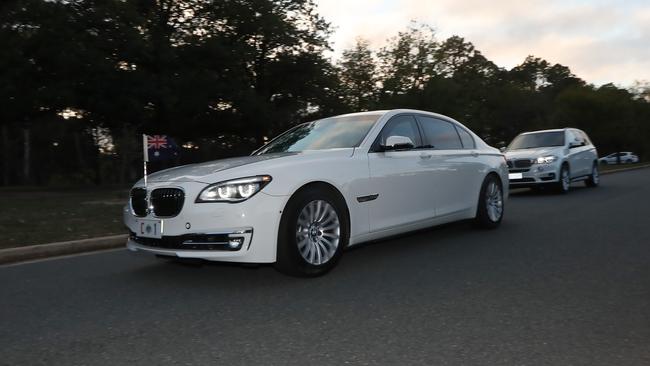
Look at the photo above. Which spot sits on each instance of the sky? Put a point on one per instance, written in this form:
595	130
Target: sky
601	41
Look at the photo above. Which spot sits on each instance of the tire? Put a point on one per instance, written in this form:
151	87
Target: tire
594	178
563	184
314	231
489	212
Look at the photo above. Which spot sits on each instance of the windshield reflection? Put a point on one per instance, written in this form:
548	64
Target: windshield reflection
535	140
328	133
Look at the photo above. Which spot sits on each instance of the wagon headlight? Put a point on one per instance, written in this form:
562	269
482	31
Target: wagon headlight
235	190
546	159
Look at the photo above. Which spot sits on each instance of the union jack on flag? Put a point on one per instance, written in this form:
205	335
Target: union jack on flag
157	142
159	147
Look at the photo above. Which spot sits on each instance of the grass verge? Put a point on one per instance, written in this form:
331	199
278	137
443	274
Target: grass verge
35	216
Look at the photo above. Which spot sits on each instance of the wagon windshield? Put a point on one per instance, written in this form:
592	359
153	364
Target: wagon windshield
328	133
539	139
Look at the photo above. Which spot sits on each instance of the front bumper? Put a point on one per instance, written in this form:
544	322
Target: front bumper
233	232
535	175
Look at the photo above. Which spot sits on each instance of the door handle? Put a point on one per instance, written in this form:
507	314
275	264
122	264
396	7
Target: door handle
474	154
425	156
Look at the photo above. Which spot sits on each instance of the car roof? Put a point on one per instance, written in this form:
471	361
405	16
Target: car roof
550	130
397	111
418	111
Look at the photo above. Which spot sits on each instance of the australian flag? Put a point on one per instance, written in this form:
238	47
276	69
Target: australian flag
159	147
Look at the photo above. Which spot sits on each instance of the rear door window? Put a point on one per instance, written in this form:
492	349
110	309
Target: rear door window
439	134
465	138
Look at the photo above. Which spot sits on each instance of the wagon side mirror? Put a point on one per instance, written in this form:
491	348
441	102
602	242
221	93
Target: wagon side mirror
576	143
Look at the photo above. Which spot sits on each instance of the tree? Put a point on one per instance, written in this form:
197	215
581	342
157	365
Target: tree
358	75
407	61
80	80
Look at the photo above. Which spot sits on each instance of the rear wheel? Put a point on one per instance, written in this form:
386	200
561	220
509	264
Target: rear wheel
594	178
490	204
313	233
564	184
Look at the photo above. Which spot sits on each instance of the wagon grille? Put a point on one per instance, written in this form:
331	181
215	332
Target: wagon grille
167	202
139	201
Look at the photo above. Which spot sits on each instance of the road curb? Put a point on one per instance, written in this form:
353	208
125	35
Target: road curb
624	169
21	254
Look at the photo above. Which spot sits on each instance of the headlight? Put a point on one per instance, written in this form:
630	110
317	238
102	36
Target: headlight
235	190
546	159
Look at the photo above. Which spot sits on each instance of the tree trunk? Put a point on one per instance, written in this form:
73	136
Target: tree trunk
79	150
124	155
6	155
27	149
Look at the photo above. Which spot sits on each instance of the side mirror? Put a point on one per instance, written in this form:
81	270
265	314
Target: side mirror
502	149
576	143
398	143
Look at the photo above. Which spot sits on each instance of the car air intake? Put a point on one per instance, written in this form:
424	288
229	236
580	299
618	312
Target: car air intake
523	163
139	201
167	202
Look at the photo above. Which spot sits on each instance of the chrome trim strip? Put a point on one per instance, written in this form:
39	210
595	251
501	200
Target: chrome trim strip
247	234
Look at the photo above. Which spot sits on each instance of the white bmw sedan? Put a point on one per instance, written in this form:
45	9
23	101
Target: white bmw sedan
320	187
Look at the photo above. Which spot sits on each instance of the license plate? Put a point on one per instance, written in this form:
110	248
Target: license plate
515	176
149	228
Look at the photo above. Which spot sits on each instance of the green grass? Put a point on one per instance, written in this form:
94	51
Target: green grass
35	215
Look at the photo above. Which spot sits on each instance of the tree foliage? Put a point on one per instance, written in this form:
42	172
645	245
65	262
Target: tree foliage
81	79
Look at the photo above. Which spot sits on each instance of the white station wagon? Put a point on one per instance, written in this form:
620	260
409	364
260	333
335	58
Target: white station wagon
320	187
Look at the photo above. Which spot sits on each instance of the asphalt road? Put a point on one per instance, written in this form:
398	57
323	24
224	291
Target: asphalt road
564	281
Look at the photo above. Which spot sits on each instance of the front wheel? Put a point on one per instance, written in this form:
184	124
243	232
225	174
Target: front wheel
314	231
490	204
594	178
564	184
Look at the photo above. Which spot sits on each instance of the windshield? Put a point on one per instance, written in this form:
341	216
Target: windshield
539	139
328	133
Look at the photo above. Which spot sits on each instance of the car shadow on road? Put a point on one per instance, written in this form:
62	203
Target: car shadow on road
365	263
576	188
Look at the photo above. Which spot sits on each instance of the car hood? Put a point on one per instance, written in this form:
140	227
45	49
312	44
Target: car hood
534	153
216	170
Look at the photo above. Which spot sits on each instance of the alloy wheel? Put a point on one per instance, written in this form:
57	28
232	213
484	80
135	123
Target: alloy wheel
494	201
595	176
566	180
318	232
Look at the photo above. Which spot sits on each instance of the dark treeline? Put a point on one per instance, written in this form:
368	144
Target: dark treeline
80	80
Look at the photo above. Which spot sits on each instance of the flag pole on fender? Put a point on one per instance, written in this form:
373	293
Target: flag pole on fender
145	147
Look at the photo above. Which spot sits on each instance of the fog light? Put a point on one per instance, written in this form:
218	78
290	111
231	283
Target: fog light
235	243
